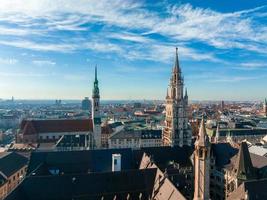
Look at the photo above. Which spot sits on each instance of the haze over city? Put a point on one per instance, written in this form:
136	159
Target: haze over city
48	49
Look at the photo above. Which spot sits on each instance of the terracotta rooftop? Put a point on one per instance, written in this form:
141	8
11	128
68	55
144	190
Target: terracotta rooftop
31	127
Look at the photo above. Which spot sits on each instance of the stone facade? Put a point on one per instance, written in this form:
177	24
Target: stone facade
177	130
12	171
135	139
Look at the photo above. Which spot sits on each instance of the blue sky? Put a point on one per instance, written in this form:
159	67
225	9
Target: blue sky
48	48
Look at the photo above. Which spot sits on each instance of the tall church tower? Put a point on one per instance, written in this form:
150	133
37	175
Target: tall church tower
176	131
202	164
96	113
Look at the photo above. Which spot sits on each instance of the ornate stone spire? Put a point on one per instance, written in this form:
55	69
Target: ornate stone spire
217	135
167	95
203	139
202	164
176	64
186	96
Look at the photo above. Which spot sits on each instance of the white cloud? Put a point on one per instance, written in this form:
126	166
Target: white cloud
8	61
253	64
233	79
129	37
26	44
19	74
43	62
181	23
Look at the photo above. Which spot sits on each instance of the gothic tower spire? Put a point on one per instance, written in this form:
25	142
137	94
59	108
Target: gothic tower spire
96	112
176	65
202	164
96	88
176	131
96	73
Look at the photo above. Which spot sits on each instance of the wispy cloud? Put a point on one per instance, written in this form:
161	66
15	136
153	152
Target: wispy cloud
129	37
8	61
26	44
253	64
19	74
232	79
44	62
136	24
219	77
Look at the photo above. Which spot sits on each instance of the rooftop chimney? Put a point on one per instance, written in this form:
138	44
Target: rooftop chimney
116	162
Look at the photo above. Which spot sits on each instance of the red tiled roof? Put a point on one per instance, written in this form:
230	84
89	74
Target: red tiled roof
31	127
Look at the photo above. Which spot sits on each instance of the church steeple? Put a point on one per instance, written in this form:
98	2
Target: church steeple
176	67
167	94
243	167
96	113
202	164
96	88
217	134
186	96
176	131
203	138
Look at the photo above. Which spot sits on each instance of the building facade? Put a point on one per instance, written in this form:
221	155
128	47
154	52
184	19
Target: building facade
12	171
50	131
177	130
135	139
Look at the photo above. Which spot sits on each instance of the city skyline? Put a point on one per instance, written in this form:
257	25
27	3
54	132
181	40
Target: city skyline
48	50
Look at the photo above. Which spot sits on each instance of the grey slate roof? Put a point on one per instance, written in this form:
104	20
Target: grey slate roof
70	162
223	153
10	162
255	189
87	186
242	132
243	166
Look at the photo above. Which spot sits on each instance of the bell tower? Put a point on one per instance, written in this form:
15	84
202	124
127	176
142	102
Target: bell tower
202	164
96	113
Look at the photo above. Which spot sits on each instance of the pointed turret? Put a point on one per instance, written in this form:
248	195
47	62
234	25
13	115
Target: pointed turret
203	138
167	95
186	96
96	88
243	167
96	74
217	135
176	64
202	164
